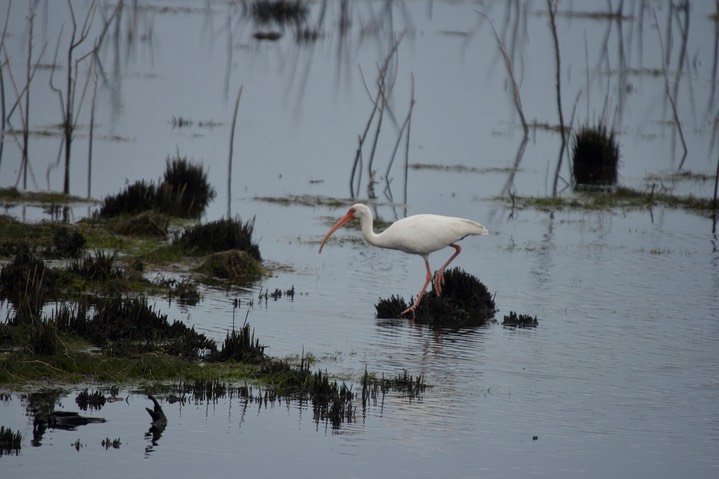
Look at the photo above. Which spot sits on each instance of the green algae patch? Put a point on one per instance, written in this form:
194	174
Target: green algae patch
617	198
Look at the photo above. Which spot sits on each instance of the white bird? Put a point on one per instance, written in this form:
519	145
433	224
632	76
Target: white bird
418	234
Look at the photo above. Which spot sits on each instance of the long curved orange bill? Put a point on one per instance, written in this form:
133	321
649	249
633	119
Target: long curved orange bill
345	219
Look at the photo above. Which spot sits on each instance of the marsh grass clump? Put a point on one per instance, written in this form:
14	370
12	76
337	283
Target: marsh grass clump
90	400
26	282
235	266
100	266
465	301
184	192
241	346
514	320
123	326
10	441
67	242
108	443
43	339
595	156
220	235
185	188
148	223
135	198
184	291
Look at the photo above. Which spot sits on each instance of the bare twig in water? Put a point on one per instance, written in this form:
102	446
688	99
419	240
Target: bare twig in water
510	71
357	165
92	124
229	163
715	64
379	103
26	117
3	119
405	126
552	6
670	97
714	201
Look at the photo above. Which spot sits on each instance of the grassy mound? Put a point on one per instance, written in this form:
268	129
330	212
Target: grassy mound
184	192
465	301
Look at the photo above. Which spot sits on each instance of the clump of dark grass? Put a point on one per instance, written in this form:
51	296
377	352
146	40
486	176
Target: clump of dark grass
186	189
237	267
124	326
147	223
241	346
90	400
43	339
184	192
184	291
107	443
10	441
67	242
135	198
595	156
98	267
515	320
220	235
26	283
279	11
465	301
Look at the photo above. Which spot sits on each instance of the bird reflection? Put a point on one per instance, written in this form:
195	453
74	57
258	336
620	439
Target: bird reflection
157	427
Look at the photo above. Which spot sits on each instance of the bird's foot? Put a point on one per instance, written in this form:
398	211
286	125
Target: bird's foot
409	310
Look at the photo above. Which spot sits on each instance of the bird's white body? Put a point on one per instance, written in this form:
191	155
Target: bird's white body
418	234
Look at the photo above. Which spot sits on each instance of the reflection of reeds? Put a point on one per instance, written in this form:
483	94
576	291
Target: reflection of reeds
670	97
510	72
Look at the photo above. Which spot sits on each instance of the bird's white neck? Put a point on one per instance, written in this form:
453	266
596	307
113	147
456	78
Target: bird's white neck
366	224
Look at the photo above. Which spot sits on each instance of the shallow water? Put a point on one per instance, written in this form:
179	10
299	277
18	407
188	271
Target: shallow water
618	379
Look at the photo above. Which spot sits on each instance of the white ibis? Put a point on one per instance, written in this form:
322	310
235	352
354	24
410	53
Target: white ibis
417	234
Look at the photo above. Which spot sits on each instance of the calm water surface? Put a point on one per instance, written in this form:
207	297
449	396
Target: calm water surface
620	377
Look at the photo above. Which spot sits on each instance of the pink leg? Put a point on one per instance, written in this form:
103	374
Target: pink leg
421	293
439	275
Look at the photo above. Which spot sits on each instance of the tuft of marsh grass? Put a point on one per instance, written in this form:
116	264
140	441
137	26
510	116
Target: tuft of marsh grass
465	301
184	192
595	156
220	235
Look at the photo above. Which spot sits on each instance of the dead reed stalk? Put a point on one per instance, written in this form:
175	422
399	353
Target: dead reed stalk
552	6
3	120
510	72
379	103
405	127
229	163
669	95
